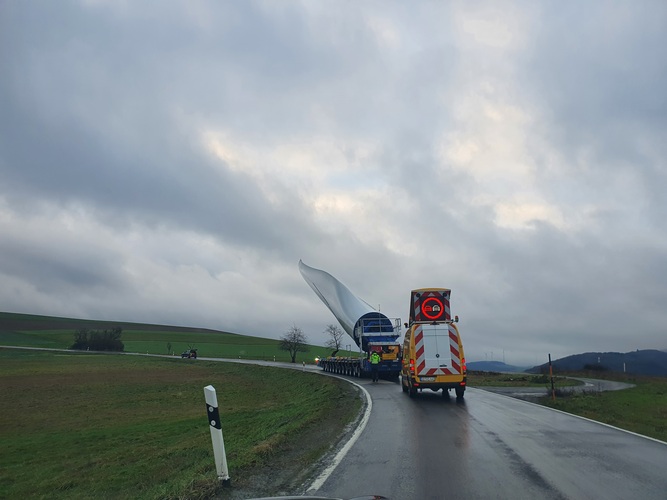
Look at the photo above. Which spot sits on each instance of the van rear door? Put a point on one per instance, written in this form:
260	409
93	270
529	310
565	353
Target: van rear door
437	350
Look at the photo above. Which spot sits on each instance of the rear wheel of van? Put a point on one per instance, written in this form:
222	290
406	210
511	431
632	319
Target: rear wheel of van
445	393
412	391
403	386
459	392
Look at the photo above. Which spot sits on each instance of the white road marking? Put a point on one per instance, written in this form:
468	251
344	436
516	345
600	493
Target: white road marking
317	484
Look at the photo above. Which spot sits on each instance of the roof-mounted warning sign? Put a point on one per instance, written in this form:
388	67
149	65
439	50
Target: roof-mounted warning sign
430	304
432	308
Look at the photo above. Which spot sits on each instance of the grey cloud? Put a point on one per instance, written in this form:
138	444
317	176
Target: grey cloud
598	74
61	267
103	108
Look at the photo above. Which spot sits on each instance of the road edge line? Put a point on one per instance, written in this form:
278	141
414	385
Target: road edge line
322	478
577	416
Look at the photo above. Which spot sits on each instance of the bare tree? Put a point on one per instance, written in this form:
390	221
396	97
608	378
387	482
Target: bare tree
335	340
293	341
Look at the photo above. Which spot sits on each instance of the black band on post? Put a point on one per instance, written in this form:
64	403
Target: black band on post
213	416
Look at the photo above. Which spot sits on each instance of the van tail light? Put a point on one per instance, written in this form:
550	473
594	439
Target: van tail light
463	363
412	366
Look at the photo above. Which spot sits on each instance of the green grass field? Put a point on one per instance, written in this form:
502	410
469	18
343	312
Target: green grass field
113	426
641	409
58	333
490	379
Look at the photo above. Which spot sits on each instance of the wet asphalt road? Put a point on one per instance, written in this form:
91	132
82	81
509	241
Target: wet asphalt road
491	446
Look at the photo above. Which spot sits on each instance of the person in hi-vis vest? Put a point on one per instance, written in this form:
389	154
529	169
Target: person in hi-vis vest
375	365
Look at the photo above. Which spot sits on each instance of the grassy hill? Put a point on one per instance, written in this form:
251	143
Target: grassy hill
58	333
103	426
147	437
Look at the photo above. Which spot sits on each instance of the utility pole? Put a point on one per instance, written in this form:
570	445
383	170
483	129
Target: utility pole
551	375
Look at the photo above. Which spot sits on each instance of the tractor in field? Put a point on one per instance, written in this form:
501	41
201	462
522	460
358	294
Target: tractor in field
190	353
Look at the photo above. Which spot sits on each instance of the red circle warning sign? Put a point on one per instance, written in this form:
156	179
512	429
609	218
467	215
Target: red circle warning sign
432	308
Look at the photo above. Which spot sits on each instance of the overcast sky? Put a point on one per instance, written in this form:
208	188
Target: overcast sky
171	162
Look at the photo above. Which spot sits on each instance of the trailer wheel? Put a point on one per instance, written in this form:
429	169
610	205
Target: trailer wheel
459	392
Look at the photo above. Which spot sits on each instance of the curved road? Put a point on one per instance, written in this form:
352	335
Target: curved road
491	446
532	393
488	446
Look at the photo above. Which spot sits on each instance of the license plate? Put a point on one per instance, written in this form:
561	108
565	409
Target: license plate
427	379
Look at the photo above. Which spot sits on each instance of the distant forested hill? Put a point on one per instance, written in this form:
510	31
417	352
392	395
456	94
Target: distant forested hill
493	366
646	362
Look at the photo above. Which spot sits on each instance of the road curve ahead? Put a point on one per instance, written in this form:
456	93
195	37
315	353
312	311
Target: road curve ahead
492	446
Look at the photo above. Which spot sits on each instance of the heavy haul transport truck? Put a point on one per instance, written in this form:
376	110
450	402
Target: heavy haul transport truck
372	335
371	330
433	356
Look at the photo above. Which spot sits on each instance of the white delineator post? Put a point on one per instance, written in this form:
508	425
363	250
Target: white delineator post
216	434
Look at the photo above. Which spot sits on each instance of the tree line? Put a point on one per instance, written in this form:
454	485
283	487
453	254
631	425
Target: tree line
98	340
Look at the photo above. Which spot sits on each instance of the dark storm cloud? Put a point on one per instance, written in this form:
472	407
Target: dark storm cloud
57	269
105	128
513	153
598	74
